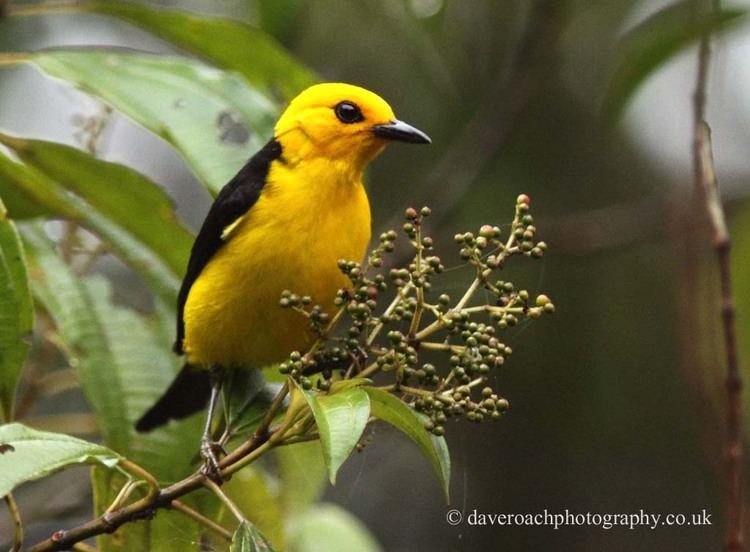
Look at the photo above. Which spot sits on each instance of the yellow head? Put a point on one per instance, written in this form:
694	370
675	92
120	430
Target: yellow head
341	123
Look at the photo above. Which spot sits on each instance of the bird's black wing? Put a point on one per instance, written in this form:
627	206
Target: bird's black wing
234	200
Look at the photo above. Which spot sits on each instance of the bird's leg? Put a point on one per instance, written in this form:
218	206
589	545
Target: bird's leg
210	448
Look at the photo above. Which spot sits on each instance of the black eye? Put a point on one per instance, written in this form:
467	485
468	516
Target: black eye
348	113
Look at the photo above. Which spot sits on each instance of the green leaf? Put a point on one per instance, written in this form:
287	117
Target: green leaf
653	42
31	454
247	538
341	418
212	117
168	531
16	313
39	189
227	43
330	528
391	410
248	488
241	389
122	195
122	364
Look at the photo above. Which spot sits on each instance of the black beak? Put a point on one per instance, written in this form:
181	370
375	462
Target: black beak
401	132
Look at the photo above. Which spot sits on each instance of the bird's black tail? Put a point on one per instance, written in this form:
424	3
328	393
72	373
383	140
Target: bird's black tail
188	393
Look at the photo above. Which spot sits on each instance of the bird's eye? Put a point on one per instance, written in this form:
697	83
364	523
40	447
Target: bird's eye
348	112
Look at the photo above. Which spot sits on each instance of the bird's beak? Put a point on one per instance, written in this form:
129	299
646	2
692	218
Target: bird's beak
401	132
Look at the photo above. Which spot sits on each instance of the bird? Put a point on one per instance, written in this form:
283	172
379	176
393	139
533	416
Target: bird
282	222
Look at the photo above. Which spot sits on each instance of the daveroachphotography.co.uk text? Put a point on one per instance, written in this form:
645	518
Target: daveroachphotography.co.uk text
566	518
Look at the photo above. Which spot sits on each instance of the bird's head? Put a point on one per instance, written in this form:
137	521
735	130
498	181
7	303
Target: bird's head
341	123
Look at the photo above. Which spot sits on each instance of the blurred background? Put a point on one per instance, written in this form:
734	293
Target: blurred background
617	401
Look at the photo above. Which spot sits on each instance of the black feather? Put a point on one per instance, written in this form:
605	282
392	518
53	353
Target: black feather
191	389
234	200
188	393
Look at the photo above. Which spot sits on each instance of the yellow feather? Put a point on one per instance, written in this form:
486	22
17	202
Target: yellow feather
312	211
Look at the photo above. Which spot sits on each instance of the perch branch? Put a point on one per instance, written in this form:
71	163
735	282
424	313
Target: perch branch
707	188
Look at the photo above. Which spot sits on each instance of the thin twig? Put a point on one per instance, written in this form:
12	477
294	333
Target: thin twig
707	188
15	515
236	512
200	518
147	506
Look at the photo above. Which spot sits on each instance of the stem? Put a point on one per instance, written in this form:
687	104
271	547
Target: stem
386	313
122	496
225	499
299	439
417	319
139	472
147	506
245	460
430	346
468	295
15	515
200	518
707	188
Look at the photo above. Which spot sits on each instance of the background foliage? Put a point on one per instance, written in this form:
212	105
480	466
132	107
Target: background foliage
619	408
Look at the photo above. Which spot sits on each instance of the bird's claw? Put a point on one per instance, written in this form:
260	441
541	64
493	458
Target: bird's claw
210	451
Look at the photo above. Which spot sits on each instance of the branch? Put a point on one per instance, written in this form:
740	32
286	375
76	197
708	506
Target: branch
707	188
17	524
157	499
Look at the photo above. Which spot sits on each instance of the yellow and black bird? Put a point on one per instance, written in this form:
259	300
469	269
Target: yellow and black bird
283	222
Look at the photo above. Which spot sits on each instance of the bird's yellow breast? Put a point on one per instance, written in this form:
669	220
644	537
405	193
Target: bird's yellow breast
308	216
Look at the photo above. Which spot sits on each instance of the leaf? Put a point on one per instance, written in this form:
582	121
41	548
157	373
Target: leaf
122	364
42	190
36	454
653	42
122	195
330	528
248	539
241	388
393	411
16	313
227	43
250	487
341	418
213	118
168	531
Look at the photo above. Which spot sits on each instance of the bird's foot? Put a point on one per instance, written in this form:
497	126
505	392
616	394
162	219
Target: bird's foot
210	451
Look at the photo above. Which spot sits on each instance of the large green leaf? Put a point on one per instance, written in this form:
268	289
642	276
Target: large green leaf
212	117
122	364
226	43
16	313
653	42
41	190
247	538
329	528
122	195
391	410
66	299
341	418
30	454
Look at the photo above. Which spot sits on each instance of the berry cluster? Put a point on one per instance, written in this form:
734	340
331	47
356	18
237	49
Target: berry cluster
391	340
